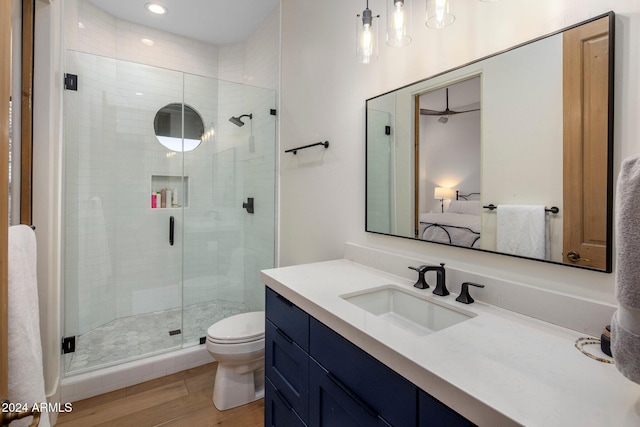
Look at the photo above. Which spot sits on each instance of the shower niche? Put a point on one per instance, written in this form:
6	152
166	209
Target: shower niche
169	191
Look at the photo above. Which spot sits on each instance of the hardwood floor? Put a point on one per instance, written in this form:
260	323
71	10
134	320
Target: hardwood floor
181	399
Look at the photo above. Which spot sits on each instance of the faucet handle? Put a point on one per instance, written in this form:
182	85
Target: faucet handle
464	296
421	283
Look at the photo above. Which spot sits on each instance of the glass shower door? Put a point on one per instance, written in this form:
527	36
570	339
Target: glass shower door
225	245
157	243
122	275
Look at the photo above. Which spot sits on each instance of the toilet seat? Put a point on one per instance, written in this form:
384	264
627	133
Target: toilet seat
238	329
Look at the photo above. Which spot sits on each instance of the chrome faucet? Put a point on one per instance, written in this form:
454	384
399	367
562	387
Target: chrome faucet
441	288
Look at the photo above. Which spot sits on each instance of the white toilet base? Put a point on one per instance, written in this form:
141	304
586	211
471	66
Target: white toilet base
234	386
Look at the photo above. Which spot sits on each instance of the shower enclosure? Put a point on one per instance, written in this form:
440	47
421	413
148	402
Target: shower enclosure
159	243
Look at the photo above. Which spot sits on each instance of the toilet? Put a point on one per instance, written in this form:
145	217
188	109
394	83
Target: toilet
237	343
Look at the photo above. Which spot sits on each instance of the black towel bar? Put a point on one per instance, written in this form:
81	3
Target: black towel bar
553	209
295	150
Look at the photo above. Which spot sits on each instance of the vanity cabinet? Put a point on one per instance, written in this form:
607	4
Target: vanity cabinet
286	361
375	390
316	377
434	413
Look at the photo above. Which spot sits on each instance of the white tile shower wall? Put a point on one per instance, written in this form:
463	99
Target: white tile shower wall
213	254
231	67
168	50
90	29
146	262
261	66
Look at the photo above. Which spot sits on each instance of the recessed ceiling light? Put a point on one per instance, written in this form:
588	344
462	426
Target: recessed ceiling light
148	42
156	8
80	25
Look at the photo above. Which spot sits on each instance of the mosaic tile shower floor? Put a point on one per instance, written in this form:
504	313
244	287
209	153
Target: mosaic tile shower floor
134	337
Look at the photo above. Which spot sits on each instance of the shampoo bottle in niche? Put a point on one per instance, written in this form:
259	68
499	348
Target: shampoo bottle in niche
163	198
154	201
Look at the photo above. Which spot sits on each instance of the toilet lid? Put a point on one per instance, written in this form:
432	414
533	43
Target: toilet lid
242	327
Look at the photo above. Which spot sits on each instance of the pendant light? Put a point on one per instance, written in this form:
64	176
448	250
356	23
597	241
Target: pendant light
438	14
366	36
398	20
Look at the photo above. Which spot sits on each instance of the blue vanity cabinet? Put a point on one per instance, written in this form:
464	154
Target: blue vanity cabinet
434	413
286	359
334	404
278	412
373	387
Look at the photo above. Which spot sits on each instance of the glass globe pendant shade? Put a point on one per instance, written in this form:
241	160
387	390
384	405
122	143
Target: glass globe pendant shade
398	21
366	37
439	14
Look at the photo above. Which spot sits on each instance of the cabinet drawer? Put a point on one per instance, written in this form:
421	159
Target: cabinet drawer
288	317
334	404
433	413
277	411
287	366
390	394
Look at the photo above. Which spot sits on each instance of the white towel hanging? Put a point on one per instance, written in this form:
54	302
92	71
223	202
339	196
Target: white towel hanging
26	373
521	230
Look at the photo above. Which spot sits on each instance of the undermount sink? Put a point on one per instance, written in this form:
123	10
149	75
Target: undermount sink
415	313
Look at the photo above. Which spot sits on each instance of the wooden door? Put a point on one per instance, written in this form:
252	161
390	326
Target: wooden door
5	93
586	145
416	167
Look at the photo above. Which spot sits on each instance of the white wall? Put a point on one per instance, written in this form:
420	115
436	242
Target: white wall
47	127
323	97
449	157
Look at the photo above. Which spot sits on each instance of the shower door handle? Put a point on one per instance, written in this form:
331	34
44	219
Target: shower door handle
172	223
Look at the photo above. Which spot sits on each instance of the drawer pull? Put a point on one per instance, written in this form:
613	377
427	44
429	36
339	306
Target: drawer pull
284	300
284	400
284	335
352	395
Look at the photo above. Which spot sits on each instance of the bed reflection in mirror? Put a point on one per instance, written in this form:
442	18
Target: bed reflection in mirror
510	130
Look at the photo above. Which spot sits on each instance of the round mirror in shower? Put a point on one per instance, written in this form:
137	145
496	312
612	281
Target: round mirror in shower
168	127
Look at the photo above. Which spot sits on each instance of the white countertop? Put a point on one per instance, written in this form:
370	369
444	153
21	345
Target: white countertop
498	368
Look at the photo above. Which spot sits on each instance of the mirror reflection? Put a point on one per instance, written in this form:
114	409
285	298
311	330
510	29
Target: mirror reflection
478	156
168	127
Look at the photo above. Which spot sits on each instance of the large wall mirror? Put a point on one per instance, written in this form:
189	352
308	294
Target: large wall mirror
510	154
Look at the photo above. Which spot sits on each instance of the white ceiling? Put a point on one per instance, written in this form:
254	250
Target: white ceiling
213	21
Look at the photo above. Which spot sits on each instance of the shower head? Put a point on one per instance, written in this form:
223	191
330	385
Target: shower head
237	120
